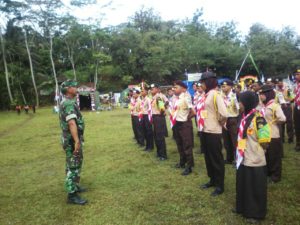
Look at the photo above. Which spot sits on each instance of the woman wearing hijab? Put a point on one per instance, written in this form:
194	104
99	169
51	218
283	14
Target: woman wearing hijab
275	117
212	114
251	178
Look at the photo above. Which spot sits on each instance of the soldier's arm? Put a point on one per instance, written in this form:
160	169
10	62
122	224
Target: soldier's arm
74	132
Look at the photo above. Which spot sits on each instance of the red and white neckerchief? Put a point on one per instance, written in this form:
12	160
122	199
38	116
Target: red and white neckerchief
240	150
132	105
173	110
264	108
297	97
149	110
200	109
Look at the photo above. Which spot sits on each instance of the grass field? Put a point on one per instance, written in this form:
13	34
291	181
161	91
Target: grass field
126	185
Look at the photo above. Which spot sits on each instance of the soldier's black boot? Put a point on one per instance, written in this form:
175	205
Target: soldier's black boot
74	198
186	171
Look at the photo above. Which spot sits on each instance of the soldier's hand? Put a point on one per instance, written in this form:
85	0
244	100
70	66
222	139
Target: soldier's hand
76	147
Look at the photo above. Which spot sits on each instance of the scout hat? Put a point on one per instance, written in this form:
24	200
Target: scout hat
227	82
266	88
180	83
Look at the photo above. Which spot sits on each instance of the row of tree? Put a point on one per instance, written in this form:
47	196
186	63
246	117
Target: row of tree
42	44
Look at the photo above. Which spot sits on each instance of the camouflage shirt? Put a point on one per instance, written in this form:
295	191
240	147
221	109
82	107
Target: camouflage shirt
68	110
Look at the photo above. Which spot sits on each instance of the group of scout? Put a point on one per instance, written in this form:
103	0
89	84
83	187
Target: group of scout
250	122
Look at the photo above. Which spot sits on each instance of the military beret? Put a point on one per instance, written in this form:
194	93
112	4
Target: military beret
266	88
227	82
180	83
66	84
207	75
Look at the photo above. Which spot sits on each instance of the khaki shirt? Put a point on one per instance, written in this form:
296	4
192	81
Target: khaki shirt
254	154
212	118
231	104
145	105
135	106
154	103
274	116
184	105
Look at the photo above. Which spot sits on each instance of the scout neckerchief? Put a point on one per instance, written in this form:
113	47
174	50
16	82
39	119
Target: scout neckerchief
141	111
297	97
201	113
173	110
264	108
241	142
149	110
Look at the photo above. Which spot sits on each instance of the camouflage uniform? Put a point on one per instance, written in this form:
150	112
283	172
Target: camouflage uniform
69	110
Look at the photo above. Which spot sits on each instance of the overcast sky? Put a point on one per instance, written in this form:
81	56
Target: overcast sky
274	14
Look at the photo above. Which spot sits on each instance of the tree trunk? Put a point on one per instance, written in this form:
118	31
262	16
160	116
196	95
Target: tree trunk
24	99
70	54
54	71
5	67
31	70
96	74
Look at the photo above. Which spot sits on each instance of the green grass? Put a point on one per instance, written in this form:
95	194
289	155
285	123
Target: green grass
126	185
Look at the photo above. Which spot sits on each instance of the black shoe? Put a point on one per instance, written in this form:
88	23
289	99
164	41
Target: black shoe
207	185
217	192
73	198
80	189
187	171
148	149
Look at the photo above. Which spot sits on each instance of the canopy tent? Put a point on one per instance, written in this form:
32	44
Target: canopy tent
87	97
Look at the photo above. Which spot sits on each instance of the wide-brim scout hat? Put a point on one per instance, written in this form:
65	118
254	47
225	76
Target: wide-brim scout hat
266	88
67	84
180	83
154	86
207	75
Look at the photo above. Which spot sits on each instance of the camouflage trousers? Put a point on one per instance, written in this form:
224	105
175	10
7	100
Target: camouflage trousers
73	168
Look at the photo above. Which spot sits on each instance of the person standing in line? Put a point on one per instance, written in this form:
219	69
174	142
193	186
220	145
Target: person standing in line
72	125
275	117
229	131
297	110
182	114
137	119
146	118
158	104
197	100
213	115
251	177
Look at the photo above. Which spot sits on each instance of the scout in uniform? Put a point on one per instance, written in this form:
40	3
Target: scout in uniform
197	101
137	120
182	114
230	129
131	106
251	177
158	104
275	117
72	125
213	115
297	110
284	97
146	118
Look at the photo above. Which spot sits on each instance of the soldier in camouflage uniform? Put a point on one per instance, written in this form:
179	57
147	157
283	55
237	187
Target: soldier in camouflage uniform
72	125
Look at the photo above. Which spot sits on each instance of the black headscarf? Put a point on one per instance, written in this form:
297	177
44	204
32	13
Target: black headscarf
269	96
210	83
249	99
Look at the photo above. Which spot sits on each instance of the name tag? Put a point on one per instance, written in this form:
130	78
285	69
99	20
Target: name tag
242	144
204	114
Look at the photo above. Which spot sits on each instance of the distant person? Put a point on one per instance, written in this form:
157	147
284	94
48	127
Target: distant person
33	108
18	109
297	110
26	108
72	125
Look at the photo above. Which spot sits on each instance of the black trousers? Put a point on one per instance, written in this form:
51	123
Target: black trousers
274	159
138	126
251	191
159	124
230	137
287	110
148	132
133	127
214	160
184	141
297	125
